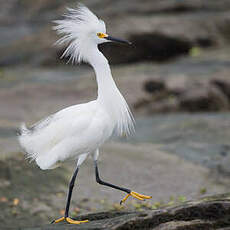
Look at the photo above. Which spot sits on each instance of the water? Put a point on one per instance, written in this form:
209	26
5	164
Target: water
201	138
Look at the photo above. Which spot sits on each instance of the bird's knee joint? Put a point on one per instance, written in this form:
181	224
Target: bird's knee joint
99	180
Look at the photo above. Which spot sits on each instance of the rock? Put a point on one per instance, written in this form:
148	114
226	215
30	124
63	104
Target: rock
181	94
163	106
150	46
203	98
223	84
224	162
154	85
155	29
177	85
159	98
142	103
207	213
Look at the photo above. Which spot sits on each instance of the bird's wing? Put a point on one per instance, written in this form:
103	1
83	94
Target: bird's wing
44	135
41	124
62	115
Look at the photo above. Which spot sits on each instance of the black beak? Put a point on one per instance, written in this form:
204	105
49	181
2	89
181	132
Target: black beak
118	40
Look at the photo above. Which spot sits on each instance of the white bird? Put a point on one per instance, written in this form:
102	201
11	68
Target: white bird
79	130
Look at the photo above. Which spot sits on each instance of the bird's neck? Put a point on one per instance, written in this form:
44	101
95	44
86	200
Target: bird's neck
105	82
109	95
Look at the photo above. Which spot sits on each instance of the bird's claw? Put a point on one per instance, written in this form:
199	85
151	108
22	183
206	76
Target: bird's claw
69	220
135	195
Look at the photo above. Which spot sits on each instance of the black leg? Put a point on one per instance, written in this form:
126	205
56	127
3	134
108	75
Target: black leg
108	184
71	185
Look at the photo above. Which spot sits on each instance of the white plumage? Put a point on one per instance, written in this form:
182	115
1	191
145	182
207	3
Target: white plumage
79	28
81	129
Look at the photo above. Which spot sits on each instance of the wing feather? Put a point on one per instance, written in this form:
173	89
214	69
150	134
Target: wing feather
45	134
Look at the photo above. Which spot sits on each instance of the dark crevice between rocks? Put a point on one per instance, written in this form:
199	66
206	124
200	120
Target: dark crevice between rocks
204	42
223	85
217	214
155	47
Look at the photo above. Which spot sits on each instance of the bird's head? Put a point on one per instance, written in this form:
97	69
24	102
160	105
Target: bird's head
81	30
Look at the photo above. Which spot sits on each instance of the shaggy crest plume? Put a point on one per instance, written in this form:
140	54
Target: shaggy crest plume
78	28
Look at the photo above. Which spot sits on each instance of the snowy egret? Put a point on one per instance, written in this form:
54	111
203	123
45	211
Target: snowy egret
79	130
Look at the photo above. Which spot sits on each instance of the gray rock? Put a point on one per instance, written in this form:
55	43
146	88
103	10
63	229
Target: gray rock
154	85
155	28
203	98
177	85
181	94
162	106
223	84
207	213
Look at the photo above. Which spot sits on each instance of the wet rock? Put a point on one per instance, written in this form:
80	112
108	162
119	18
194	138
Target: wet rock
224	161
177	85
159	98
154	85
203	98
163	106
223	84
142	103
206	213
183	94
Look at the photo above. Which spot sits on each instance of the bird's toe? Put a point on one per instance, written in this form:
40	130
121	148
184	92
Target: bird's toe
69	220
58	220
135	195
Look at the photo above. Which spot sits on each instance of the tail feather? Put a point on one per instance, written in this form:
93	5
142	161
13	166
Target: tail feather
35	149
24	138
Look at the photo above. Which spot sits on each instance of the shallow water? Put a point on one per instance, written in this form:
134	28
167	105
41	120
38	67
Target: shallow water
201	138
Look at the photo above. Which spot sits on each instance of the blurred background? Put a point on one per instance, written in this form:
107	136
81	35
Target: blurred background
175	78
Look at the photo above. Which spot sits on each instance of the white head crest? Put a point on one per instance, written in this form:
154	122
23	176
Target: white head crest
80	28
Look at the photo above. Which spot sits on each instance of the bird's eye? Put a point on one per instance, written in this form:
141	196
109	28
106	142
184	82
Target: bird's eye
101	35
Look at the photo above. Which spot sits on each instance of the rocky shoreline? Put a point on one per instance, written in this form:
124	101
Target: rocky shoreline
204	95
206	213
155	29
175	78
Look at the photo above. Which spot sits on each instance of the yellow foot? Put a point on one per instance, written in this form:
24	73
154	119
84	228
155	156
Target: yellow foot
69	220
135	195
